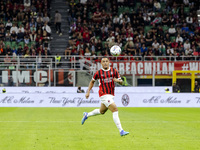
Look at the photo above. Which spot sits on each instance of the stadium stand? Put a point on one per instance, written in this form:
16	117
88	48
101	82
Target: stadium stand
145	29
140	27
24	27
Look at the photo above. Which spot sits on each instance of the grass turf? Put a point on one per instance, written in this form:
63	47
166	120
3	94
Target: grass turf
61	129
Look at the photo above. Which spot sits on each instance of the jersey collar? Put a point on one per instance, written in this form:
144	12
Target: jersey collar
106	70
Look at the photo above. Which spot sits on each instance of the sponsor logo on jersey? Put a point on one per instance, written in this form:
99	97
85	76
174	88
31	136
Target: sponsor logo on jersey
107	80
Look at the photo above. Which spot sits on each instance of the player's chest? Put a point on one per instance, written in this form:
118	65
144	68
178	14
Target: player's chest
104	75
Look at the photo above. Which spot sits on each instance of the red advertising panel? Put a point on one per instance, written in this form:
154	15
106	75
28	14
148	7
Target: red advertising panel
148	67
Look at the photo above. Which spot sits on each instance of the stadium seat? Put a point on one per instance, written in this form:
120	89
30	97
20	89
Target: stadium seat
103	43
29	44
32	43
186	10
126	9
97	37
120	10
147	28
172	38
163	5
13	44
21	43
19	23
90	15
165	28
99	52
137	6
7	43
122	48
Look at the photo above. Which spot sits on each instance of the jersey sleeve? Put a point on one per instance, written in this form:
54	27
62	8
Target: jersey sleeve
96	76
117	74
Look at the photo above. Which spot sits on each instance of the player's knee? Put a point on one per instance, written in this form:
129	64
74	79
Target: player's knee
115	109
102	112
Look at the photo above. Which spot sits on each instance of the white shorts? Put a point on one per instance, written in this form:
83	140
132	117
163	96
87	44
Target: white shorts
107	99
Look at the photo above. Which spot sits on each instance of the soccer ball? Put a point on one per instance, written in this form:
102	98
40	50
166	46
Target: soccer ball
115	50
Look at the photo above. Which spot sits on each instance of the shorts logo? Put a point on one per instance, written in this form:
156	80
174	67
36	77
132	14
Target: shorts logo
125	100
108	101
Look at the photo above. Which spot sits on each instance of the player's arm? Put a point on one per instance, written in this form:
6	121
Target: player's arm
95	77
117	78
119	81
91	84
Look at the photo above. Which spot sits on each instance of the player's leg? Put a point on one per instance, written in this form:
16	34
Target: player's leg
113	108
95	112
103	109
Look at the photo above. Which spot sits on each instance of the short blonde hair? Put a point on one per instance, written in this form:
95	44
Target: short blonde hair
131	44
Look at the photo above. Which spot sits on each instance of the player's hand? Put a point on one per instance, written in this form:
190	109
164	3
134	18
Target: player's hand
117	80
87	95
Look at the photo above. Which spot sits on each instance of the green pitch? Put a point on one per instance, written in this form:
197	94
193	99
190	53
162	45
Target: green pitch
61	129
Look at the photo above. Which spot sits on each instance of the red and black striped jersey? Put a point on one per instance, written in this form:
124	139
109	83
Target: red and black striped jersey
106	83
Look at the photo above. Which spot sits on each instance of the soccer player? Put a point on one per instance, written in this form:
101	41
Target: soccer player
106	76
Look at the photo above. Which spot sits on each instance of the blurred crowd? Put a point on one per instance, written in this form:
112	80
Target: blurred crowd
24	28
139	27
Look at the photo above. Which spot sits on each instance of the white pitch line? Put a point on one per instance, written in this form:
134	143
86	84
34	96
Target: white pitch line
21	121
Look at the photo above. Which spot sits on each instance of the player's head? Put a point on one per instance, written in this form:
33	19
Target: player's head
105	62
